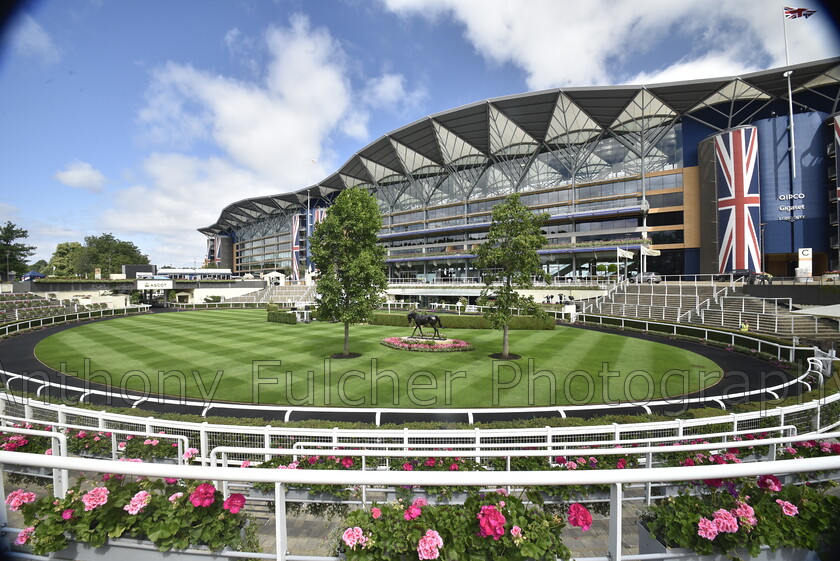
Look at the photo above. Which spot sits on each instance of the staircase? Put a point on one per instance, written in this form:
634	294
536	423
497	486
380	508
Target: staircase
288	294
715	305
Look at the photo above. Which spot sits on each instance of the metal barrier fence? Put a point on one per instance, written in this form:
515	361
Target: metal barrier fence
617	480
14	327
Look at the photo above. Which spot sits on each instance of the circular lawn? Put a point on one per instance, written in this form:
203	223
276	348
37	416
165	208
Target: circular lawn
236	355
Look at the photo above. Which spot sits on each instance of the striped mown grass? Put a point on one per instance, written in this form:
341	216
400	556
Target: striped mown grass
235	355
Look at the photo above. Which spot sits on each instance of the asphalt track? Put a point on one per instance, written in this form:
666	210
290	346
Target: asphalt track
742	373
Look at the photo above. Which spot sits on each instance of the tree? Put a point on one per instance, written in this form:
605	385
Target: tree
510	262
14	254
40	266
110	254
105	252
351	263
62	262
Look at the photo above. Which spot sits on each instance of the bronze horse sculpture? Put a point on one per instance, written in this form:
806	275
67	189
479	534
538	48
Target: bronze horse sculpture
419	320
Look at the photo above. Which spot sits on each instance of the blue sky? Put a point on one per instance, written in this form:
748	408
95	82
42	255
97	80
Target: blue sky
146	118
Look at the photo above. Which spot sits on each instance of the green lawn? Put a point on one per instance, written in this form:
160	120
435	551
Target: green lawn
235	355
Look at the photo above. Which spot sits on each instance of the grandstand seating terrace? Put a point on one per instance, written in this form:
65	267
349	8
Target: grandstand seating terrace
715	305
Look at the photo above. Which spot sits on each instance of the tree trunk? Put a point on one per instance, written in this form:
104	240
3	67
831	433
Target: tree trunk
346	338
505	346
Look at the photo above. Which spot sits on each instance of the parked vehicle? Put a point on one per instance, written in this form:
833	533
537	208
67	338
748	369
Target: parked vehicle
649	277
737	275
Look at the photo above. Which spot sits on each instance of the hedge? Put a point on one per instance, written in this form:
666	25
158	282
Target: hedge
454	321
282	317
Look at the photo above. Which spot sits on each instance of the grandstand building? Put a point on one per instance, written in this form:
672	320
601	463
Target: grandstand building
697	176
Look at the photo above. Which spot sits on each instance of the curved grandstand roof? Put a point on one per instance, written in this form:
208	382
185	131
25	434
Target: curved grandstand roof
503	128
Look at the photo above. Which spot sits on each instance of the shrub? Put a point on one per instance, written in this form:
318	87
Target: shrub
282	317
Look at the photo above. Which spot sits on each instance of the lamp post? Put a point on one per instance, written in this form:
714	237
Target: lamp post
763	258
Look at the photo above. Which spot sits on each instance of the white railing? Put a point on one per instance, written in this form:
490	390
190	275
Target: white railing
616	479
33	323
772	303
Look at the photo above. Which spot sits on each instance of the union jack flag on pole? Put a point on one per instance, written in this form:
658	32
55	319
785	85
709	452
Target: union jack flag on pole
738	200
295	239
318	216
794	13
217	249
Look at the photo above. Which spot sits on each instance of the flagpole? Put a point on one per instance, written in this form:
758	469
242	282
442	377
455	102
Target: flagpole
787	74
784	32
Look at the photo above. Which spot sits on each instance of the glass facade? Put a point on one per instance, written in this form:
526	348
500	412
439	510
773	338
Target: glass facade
611	167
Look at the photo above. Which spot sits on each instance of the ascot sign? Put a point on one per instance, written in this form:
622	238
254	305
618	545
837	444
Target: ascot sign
154	284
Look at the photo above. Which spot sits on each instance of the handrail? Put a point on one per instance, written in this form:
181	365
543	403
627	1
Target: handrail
615	478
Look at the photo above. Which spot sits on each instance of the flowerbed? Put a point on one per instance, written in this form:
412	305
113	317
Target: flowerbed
485	527
169	514
427	345
758	512
101	443
33	444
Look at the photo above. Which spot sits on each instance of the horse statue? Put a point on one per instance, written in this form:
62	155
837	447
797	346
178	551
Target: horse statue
419	320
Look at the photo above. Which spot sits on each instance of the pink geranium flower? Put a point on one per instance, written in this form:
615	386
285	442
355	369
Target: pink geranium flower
579	516
788	508
138	502
491	522
375	512
67	514
745	514
234	503
429	544
770	482
17	499
203	496
707	529
190	453
412	512
24	535
353	537
725	521
94	498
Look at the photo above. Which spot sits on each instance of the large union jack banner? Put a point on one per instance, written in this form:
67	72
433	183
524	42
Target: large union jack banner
738	200
295	239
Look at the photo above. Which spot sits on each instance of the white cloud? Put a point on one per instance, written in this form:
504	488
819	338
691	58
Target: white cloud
32	40
183	193
273	128
577	44
8	211
81	175
268	135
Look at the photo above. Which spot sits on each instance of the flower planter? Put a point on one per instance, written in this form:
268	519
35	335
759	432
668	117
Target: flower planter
650	544
135	550
32	471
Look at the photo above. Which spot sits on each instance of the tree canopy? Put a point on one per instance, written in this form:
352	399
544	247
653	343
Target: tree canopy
510	262
352	278
104	252
14	254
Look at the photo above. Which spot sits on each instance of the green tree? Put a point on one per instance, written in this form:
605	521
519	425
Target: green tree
110	254
62	262
40	266
105	252
13	253
510	263
352	265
